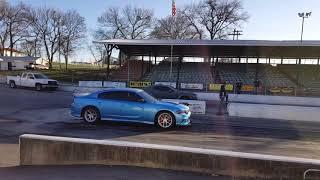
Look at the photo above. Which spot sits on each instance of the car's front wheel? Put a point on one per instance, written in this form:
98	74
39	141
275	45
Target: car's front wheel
12	84
165	120
91	115
38	87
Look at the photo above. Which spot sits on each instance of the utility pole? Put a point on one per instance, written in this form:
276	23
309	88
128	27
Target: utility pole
236	33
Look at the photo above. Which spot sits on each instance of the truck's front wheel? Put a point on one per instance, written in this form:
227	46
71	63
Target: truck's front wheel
38	87
12	84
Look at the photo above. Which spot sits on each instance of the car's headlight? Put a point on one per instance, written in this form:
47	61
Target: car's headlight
182	111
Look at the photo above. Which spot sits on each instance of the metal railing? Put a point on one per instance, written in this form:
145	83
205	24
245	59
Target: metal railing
309	170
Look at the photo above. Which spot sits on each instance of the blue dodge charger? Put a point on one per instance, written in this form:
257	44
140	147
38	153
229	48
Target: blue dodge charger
132	105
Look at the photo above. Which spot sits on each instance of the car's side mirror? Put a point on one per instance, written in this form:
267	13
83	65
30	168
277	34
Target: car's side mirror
171	91
141	100
31	77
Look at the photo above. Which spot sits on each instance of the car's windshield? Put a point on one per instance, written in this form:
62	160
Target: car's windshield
147	97
40	76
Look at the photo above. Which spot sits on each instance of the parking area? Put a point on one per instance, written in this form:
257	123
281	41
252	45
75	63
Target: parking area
27	111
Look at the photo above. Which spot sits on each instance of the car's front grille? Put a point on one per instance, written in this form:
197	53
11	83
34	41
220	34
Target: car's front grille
52	83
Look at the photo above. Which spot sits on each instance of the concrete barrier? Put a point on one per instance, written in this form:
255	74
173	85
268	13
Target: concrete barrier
295	113
49	150
260	99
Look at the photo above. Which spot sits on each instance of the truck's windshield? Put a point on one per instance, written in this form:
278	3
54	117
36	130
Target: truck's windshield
40	76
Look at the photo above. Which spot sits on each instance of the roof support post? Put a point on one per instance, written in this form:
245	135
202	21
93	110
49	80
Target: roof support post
109	48
239	59
269	60
318	61
128	70
178	73
149	67
120	57
281	60
142	65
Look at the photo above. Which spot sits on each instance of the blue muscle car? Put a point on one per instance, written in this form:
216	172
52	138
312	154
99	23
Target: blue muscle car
133	105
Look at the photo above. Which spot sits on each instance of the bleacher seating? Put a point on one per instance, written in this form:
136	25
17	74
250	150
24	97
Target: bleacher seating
305	75
247	73
191	72
135	68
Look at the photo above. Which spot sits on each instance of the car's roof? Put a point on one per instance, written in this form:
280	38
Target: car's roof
120	89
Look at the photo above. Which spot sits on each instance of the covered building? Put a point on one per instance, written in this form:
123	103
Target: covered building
218	52
20	63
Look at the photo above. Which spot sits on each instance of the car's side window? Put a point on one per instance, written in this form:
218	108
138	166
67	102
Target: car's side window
30	76
24	75
120	95
134	97
115	95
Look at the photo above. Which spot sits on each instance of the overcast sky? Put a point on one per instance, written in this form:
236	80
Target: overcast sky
269	19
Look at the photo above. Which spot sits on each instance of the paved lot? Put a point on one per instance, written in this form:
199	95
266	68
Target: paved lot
26	111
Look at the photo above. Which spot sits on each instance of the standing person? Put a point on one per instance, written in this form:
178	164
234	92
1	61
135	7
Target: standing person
223	92
238	87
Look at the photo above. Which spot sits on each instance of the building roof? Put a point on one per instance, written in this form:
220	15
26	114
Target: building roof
225	48
11	59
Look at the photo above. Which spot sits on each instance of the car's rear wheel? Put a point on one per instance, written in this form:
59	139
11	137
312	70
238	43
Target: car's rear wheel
91	115
165	120
38	87
12	84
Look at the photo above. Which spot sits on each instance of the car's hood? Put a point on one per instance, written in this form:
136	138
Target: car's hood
172	104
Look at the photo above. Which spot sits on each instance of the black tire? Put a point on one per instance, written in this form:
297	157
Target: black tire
163	124
12	84
38	87
94	112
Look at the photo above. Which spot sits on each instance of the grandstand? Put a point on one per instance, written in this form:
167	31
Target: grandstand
215	55
136	69
268	75
307	76
190	72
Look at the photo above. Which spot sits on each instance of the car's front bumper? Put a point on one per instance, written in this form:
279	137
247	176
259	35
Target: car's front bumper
183	119
50	85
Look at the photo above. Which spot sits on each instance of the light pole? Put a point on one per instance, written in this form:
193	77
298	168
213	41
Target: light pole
303	16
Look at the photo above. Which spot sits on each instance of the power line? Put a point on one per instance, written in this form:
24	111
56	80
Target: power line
236	33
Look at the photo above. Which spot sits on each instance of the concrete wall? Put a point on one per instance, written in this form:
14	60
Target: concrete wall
283	112
48	150
277	100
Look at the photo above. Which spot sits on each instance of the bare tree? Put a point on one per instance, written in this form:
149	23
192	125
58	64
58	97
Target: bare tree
127	23
15	24
174	28
215	18
73	29
3	28
46	23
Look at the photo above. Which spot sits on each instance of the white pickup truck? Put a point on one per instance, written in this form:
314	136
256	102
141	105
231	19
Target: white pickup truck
32	79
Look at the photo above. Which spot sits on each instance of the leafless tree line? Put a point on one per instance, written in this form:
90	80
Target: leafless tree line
49	31
207	19
40	30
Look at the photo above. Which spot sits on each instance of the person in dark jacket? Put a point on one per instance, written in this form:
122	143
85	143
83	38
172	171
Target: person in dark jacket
223	92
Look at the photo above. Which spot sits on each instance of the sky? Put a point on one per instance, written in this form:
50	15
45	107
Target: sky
269	19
